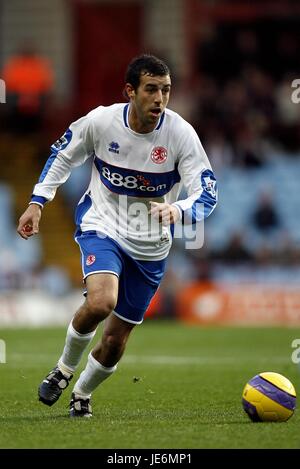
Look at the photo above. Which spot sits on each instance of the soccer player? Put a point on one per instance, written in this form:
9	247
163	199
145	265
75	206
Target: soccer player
143	154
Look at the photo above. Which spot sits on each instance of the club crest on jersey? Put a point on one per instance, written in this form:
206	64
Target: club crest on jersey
90	259
114	147
159	155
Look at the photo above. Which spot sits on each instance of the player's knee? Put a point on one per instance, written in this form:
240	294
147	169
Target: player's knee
113	342
100	306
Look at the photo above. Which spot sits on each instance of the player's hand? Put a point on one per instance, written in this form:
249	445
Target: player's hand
165	213
29	221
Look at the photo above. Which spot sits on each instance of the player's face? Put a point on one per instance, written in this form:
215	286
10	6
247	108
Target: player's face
148	102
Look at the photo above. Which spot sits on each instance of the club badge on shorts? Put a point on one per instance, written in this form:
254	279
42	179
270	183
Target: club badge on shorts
90	259
159	155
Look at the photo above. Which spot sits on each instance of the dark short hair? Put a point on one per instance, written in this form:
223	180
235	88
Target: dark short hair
145	64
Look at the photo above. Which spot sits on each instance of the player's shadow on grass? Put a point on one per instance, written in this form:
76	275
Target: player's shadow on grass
235	422
36	418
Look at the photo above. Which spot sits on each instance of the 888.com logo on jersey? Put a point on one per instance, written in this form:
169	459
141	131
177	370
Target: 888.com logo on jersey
138	183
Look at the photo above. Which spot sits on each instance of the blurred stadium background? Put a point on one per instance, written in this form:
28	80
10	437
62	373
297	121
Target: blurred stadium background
233	64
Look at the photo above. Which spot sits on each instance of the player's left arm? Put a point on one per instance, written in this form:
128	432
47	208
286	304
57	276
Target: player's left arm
198	179
165	213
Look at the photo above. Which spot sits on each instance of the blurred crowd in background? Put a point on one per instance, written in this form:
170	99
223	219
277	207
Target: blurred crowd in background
238	98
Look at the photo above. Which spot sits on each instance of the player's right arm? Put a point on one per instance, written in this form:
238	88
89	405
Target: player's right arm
29	221
71	150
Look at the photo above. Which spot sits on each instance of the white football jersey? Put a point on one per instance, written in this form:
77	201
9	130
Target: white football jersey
130	170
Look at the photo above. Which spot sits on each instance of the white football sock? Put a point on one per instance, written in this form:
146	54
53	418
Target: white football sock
93	374
73	350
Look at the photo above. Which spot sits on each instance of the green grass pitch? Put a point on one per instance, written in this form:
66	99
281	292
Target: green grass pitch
177	386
